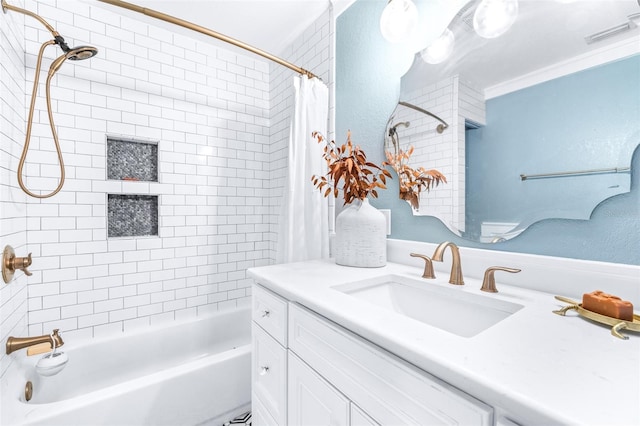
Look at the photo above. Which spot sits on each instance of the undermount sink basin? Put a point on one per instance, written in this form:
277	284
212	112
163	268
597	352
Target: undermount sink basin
449	309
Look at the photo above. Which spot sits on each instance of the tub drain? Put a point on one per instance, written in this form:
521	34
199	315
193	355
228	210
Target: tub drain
28	391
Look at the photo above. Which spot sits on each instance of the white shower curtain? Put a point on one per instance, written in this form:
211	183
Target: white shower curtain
303	231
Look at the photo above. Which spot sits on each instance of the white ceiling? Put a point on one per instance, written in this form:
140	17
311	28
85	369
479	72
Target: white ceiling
269	25
546	33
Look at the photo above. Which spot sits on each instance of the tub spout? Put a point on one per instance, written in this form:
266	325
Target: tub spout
17	343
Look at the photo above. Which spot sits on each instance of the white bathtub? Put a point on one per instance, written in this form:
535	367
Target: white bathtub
188	374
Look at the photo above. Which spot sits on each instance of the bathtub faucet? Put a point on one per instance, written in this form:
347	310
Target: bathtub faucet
17	343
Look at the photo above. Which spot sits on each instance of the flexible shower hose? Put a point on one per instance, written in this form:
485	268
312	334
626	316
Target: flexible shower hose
25	148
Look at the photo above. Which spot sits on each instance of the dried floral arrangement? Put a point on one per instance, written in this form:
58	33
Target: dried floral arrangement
348	163
413	181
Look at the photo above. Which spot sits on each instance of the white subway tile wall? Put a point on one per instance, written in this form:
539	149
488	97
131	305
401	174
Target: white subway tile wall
221	119
13	217
434	150
454	100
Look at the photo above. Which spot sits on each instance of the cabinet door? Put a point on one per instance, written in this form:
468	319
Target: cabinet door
503	421
259	415
269	374
359	418
313	401
389	389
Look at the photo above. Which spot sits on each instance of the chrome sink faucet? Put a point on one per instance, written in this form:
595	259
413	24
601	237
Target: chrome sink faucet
456	268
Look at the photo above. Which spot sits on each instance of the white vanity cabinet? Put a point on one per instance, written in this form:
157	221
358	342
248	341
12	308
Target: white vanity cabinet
285	390
334	377
268	358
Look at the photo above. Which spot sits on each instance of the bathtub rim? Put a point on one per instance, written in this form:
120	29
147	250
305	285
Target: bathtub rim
169	325
38	413
13	408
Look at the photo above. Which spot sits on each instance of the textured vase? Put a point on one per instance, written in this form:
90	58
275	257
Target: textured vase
361	236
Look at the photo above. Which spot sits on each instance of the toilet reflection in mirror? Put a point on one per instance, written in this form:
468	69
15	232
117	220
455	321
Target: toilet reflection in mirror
548	100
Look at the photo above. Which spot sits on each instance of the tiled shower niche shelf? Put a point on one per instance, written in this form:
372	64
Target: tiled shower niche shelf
132	160
132	215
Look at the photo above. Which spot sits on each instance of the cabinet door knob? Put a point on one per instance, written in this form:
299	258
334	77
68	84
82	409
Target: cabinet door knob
264	370
266	313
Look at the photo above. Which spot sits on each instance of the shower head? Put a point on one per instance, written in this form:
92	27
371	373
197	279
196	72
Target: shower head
81	52
76	54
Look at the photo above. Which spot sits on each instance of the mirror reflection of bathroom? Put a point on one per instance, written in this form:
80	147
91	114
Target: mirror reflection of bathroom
539	127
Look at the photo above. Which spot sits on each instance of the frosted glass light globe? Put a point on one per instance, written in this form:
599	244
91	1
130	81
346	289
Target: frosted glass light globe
399	20
494	17
440	49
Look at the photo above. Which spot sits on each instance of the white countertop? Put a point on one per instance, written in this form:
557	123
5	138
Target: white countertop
540	367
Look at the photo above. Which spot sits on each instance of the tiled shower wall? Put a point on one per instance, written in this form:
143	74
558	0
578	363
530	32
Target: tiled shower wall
211	110
208	109
434	150
13	218
455	100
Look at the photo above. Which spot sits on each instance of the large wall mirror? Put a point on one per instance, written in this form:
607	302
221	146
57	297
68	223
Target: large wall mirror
540	122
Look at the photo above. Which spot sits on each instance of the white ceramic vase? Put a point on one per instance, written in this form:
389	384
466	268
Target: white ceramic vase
361	236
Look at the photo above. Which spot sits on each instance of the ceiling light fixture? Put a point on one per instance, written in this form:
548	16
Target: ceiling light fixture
399	20
440	49
494	17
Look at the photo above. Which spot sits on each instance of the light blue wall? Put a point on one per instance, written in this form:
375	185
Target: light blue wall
587	120
368	73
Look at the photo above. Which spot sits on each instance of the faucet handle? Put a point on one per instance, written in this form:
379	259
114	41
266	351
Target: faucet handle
489	281
428	265
10	263
23	263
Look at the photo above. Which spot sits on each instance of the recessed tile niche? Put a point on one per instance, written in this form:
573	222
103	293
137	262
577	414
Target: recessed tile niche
132	215
132	160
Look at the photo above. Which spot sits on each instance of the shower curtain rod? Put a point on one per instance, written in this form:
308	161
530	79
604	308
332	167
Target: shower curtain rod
440	128
206	31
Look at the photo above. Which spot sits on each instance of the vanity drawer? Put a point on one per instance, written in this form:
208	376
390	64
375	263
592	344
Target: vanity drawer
269	374
270	312
387	388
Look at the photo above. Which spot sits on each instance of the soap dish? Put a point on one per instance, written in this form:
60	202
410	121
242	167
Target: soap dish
616	323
